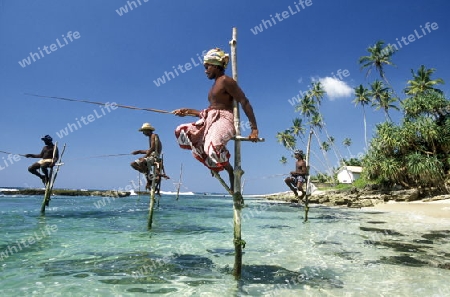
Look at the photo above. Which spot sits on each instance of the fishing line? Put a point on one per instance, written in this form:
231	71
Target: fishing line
101	103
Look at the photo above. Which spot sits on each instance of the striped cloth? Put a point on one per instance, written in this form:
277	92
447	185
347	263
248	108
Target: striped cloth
207	138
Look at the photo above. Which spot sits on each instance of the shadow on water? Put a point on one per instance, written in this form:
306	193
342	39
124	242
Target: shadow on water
378	230
275	226
437	235
95	214
405	260
192	270
276	275
402	246
195	229
376	222
134	268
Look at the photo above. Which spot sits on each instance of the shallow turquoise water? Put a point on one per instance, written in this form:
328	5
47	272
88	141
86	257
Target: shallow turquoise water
83	248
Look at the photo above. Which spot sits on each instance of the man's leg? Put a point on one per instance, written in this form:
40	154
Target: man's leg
44	169
289	182
300	188
135	166
229	169
139	166
158	178
33	169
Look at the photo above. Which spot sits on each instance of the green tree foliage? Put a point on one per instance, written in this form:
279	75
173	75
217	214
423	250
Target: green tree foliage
379	56
415	152
422	81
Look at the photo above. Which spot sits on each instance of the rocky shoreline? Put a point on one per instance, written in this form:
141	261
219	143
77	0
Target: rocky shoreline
353	198
368	197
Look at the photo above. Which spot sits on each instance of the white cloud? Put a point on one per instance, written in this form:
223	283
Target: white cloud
335	88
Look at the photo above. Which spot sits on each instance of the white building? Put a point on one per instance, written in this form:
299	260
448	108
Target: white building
348	174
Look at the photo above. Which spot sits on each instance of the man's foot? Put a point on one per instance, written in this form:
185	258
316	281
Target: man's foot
302	197
44	179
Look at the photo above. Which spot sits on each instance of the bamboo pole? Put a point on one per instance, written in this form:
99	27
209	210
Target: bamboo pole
152	197
308	182
238	200
52	178
47	184
179	181
139	186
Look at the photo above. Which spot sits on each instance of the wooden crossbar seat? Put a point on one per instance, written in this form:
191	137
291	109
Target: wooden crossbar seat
242	138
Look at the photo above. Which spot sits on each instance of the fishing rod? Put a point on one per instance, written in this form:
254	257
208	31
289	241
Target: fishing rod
8	153
101	103
102	156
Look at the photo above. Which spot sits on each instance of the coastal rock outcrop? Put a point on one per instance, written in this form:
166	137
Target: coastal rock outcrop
356	198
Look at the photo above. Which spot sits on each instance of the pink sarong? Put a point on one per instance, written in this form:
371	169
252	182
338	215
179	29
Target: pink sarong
207	138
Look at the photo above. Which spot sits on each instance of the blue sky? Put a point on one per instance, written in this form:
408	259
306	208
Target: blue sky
95	50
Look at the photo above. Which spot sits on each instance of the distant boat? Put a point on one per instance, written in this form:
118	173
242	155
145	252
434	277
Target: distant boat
133	193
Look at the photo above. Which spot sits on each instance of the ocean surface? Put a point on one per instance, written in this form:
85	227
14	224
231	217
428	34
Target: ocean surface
94	246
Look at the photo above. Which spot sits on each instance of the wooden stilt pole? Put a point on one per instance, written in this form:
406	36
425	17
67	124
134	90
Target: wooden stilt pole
51	179
139	186
222	182
308	182
179	181
238	200
152	196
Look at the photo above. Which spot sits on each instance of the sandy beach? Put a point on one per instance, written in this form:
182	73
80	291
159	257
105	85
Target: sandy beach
435	209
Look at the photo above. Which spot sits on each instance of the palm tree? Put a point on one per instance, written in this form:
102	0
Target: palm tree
286	139
382	98
283	160
325	147
306	107
316	92
362	97
332	142
422	81
347	143
297	128
378	58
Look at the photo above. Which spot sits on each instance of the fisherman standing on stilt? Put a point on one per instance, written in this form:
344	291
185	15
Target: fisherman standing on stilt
48	159
207	138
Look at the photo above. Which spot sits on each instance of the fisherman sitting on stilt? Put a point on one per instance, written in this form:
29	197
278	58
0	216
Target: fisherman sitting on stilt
298	177
152	156
48	159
